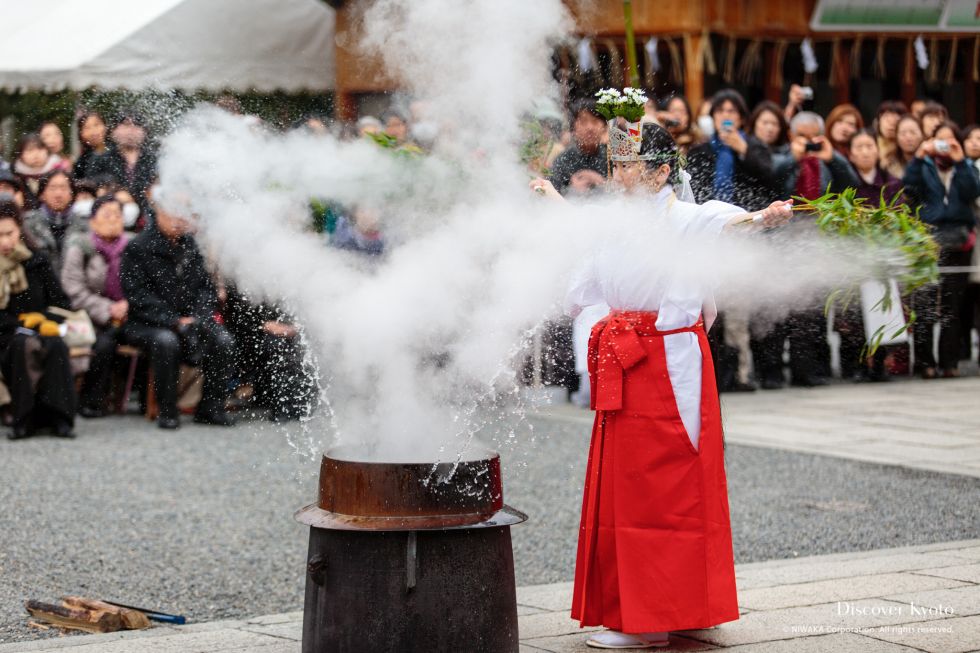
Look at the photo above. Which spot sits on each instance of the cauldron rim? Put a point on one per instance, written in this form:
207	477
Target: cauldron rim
352	454
315	516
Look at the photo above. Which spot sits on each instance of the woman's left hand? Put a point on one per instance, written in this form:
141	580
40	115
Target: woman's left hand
733	139
545	187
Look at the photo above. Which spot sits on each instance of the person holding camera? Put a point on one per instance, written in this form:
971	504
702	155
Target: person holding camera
172	302
943	183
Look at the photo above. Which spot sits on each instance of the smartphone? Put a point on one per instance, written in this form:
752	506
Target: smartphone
941	145
807	92
813	147
670	123
727	125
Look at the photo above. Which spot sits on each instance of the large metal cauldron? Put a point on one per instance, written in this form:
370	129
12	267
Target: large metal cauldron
409	557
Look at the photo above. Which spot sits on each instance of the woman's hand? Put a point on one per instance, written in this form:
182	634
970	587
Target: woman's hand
546	188
119	310
734	140
777	214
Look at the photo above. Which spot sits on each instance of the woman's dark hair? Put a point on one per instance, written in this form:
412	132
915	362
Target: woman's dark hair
26	141
102	201
86	186
968	131
774	109
586	105
658	141
953	127
864	132
733	96
891	106
933	108
665	103
45	179
82	119
10	211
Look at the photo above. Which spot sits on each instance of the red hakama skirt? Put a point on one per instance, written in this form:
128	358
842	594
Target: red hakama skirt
655	541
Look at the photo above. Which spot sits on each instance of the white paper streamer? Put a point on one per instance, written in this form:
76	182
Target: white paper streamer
586	61
810	64
921	54
651	48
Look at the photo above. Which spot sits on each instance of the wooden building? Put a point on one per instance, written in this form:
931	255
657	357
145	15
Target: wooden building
704	45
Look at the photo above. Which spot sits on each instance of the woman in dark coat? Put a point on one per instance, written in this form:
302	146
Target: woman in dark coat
34	358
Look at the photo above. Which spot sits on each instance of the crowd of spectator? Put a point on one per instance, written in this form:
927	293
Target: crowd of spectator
85	235
752	157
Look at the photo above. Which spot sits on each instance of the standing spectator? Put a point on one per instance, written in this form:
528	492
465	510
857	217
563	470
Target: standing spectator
843	122
812	167
733	167
677	119
582	167
886	123
396	125
35	360
91	279
933	115
971	312
874	185
917	107
49	223
769	126
91	133
54	139
129	161
946	185
172	302
908	139
33	161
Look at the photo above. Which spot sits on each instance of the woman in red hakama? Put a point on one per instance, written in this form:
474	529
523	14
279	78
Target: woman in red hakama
655	543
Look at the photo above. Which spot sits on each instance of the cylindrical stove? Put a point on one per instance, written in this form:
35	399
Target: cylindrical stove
409	557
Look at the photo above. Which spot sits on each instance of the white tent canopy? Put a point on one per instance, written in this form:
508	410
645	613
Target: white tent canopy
214	45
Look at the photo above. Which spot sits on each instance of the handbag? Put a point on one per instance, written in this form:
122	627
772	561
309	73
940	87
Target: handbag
79	330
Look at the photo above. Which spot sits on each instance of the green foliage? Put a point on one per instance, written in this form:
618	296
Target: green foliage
889	227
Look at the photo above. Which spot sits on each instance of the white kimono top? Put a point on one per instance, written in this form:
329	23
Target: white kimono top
624	276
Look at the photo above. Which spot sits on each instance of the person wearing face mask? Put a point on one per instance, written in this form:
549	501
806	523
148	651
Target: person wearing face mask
33	357
656	479
90	277
945	185
131	211
49	224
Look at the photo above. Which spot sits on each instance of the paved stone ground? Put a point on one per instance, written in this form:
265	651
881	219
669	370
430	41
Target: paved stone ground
903	600
198	521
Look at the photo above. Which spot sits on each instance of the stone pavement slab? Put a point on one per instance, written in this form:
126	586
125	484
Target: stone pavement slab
930	425
919	598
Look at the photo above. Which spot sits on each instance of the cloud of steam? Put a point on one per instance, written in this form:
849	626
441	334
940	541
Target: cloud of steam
419	351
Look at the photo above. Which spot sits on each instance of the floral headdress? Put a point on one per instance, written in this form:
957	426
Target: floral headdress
624	145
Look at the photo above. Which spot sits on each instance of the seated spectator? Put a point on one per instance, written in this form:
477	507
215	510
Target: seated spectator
945	186
172	301
843	121
91	133
368	125
32	161
909	137
129	161
54	139
11	185
677	119
271	357
885	125
90	277
874	185
48	225
582	167
34	358
933	115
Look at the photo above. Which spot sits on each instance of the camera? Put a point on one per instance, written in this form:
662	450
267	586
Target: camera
941	145
670	123
806	92
813	147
